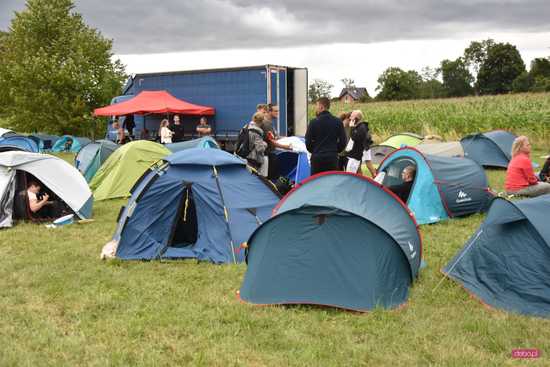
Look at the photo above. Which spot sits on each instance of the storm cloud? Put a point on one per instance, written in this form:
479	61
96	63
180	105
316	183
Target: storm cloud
142	26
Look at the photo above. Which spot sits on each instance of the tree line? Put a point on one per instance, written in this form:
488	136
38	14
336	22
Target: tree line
485	68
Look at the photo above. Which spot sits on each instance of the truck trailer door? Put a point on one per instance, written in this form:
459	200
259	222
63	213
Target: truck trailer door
300	101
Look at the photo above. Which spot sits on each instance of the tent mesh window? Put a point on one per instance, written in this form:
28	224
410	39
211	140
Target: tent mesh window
185	229
395	169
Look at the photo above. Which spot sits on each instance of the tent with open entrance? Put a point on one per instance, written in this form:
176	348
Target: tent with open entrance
199	203
490	149
68	143
506	263
17	142
57	177
446	149
356	248
294	164
382	150
118	174
91	156
204	142
45	142
443	186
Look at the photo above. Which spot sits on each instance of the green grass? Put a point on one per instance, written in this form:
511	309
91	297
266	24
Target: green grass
453	118
60	305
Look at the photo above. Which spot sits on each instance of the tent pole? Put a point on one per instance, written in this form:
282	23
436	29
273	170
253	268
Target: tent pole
225	212
446	275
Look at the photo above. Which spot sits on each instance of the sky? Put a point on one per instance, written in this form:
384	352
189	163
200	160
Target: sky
355	39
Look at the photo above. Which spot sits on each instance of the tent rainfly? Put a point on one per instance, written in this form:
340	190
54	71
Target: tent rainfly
91	156
204	142
506	263
490	149
17	142
382	150
355	249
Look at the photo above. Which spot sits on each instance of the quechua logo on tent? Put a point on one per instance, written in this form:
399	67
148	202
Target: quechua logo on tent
463	197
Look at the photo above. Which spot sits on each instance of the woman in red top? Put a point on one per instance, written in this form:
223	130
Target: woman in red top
520	177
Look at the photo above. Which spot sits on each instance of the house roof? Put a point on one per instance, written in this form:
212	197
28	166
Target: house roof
355	92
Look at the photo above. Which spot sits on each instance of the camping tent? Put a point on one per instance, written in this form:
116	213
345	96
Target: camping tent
124	167
204	142
17	142
355	248
382	150
6	132
62	144
203	203
447	149
56	175
91	156
45	142
490	149
443	186
506	263
294	164
154	102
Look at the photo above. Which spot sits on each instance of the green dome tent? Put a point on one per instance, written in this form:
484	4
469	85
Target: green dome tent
382	150
124	167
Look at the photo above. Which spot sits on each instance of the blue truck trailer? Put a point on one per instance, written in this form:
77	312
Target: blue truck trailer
233	92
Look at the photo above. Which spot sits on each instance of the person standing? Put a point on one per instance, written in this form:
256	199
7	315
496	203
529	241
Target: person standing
129	125
203	129
520	177
325	138
165	133
360	142
177	128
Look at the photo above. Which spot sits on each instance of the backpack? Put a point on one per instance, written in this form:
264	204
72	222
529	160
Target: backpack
368	137
243	148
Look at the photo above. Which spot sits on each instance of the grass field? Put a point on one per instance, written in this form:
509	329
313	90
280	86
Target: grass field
453	118
62	306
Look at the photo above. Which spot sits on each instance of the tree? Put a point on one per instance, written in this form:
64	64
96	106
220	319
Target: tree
348	83
523	83
430	86
397	84
540	67
500	68
476	54
56	69
319	88
457	79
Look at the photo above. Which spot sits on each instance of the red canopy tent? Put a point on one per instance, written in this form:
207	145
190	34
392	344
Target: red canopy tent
147	102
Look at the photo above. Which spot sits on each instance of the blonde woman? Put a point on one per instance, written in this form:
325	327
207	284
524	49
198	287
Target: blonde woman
520	177
165	133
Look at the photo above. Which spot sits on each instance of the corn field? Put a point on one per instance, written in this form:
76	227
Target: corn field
523	114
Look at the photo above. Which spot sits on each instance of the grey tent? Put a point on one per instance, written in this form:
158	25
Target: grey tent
447	149
506	263
490	149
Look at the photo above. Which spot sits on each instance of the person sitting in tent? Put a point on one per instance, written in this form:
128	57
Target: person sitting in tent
520	177
544	174
37	202
203	129
165	133
403	190
68	145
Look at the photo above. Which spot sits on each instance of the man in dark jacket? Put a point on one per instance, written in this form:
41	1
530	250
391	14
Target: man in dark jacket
325	138
177	128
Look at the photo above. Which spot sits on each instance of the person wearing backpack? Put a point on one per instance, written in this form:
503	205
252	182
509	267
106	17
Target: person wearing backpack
360	142
251	145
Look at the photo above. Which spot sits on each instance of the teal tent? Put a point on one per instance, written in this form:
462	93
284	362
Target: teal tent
356	248
91	156
68	143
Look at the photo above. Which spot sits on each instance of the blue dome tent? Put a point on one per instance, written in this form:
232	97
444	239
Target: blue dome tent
44	142
443	187
490	149
294	164
204	142
355	248
17	142
91	156
506	263
200	203
69	143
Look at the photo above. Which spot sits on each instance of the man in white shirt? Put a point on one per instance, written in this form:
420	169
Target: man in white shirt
34	203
